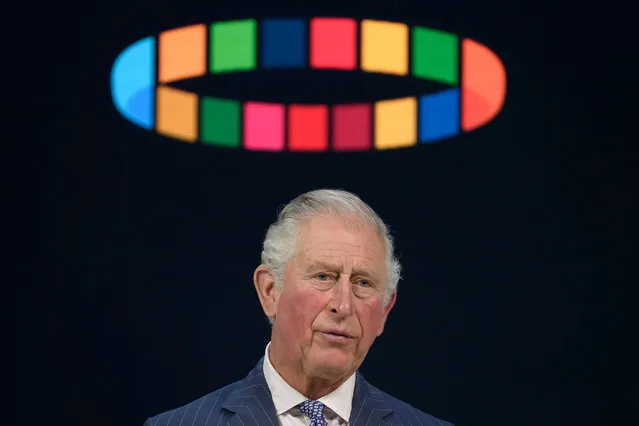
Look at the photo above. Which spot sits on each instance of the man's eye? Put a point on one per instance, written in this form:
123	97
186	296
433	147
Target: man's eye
364	283
323	276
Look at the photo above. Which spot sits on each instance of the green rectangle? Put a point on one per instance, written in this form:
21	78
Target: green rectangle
435	55
233	46
221	122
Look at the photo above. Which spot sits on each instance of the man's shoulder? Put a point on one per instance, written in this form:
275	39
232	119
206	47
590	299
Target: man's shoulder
406	413
209	408
199	411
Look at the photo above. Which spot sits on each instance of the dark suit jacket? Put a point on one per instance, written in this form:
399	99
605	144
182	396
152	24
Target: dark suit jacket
248	402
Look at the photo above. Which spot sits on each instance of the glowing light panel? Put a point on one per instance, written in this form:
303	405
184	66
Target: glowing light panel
142	75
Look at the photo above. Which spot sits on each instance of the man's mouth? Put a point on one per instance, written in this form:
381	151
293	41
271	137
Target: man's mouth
338	334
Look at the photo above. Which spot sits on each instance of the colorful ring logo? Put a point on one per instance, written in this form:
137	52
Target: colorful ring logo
476	77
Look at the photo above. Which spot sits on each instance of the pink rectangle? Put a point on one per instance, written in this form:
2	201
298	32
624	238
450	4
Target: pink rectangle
263	126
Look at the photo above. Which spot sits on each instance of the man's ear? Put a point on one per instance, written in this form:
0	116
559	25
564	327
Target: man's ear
264	282
385	311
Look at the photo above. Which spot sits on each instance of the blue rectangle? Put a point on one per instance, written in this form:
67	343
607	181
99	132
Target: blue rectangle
283	43
439	115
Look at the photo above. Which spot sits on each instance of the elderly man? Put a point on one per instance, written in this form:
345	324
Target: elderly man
327	283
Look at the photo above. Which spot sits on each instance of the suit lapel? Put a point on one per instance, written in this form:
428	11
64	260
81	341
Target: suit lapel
250	402
369	406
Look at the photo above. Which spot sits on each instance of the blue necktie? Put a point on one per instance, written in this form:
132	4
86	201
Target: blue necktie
314	410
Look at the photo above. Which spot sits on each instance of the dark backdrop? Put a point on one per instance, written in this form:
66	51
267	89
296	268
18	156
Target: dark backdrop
146	246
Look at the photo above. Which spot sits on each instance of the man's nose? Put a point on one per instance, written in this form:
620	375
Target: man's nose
342	303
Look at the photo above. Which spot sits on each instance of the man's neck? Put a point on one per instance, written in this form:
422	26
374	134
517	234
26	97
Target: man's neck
311	387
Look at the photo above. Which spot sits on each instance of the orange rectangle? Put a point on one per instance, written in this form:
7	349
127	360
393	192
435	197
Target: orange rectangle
395	123
177	113
384	47
182	53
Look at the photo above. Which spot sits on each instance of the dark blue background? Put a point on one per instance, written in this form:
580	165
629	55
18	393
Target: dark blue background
145	246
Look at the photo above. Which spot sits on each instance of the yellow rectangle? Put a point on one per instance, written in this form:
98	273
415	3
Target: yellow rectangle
396	123
177	113
384	47
182	53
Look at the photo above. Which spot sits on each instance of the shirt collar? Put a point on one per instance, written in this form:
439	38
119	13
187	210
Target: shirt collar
286	397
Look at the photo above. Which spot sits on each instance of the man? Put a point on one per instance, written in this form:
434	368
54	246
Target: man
327	283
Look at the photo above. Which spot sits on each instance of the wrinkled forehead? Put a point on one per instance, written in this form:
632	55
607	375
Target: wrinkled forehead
339	240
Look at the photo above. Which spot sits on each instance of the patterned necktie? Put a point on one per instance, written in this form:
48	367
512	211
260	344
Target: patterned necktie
314	410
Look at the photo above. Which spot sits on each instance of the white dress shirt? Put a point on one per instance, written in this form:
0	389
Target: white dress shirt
286	399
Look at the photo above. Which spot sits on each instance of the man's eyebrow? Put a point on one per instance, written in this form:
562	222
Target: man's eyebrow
315	264
321	264
366	273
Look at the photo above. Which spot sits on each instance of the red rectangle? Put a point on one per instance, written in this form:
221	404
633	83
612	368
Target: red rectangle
333	43
352	127
308	128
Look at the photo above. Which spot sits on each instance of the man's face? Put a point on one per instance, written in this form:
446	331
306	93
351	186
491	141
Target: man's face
330	309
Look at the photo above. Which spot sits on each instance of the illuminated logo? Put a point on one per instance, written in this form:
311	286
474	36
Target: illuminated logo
475	77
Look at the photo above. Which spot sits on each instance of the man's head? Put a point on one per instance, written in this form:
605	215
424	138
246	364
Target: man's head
327	267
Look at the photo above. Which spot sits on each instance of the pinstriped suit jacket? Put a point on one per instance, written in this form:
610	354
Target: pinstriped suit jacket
248	402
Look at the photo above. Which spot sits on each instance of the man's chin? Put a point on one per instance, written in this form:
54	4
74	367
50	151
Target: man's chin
332	365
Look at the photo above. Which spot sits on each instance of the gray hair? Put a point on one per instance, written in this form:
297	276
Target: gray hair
282	237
